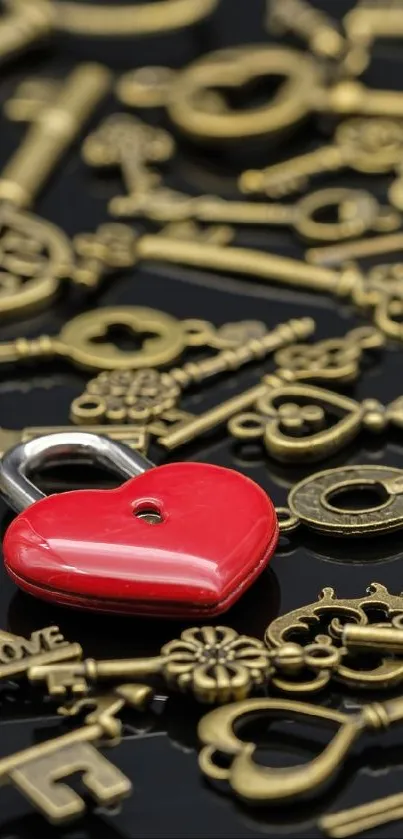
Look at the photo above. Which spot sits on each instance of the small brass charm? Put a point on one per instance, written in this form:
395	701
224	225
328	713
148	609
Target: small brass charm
313	502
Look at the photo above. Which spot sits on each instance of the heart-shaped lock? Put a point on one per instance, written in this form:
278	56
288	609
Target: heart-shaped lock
180	540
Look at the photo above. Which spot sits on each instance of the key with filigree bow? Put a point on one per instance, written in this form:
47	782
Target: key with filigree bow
304	424
142	396
215	664
370	146
37	771
125	142
356	212
333	361
34	254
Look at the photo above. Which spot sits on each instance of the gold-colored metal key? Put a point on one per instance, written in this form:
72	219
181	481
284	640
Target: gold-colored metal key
213	663
36	771
367	145
140	396
85	340
41	253
333	361
125	142
357	211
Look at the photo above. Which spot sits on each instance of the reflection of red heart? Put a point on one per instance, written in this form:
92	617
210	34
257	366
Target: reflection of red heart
89	549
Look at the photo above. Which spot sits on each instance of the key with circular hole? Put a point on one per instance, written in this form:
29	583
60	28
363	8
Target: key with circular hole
85	341
143	395
367	145
356	211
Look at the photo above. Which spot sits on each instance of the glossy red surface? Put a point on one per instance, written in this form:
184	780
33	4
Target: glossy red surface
88	548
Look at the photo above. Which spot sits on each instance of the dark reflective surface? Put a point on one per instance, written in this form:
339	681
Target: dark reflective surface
159	748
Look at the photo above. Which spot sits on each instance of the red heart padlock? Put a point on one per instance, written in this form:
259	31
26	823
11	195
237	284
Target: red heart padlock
180	540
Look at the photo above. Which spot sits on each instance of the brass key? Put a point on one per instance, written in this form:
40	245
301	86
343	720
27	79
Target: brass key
128	143
367	145
367	293
26	238
335	360
213	663
357	211
36	771
143	395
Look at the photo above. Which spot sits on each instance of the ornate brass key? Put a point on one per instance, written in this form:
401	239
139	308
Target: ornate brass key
357	211
292	422
34	254
368	293
331	361
257	783
45	646
367	145
144	395
125	142
214	663
84	340
37	770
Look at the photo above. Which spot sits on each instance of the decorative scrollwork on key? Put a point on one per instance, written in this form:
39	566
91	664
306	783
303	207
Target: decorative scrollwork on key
303	424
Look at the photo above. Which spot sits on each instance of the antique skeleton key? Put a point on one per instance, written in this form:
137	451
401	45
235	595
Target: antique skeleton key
37	770
356	211
130	144
367	145
213	663
291	421
45	646
26	238
330	361
85	340
366	292
141	396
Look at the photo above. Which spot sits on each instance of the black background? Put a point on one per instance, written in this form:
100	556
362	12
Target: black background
158	751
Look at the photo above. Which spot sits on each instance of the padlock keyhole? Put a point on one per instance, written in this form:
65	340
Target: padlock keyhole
149	513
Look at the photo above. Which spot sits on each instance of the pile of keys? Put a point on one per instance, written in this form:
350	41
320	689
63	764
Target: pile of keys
185	540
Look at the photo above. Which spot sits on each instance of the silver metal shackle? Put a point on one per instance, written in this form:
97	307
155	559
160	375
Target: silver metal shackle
20	492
